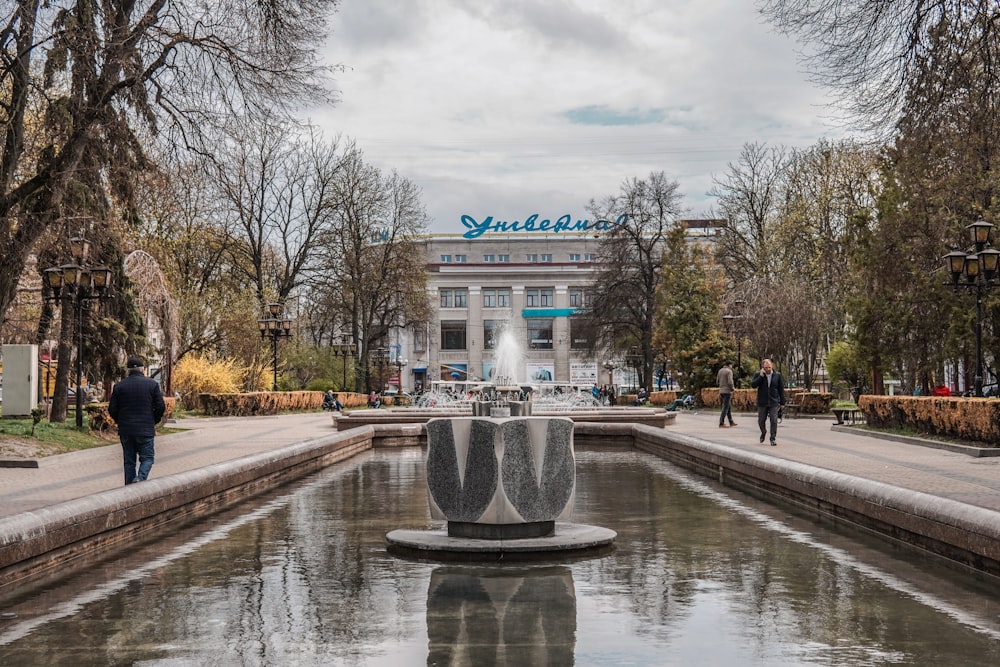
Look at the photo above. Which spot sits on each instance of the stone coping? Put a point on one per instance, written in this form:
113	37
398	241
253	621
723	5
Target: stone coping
39	542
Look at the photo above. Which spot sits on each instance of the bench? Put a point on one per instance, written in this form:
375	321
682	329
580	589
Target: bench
791	410
847	415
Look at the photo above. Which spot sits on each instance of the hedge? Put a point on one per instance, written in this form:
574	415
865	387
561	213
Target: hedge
745	400
971	419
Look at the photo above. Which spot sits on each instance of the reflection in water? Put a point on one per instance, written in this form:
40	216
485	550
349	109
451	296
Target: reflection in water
501	616
699	576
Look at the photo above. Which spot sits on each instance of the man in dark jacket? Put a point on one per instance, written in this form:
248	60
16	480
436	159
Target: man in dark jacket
137	406
770	397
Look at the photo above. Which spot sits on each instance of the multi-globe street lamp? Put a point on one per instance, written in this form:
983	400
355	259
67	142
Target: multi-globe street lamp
977	272
380	359
344	349
274	326
80	284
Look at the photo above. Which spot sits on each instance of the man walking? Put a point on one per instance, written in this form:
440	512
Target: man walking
770	397
137	406
726	389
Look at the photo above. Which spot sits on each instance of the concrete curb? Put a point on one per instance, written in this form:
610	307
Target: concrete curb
963	533
37	541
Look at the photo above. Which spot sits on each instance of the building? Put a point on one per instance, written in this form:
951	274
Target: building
529	283
531	278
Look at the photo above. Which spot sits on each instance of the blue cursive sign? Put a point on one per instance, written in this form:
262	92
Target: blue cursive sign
564	223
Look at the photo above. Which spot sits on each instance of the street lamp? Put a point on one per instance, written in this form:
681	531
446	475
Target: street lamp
976	272
400	363
610	367
380	359
80	284
344	349
274	326
634	359
733	325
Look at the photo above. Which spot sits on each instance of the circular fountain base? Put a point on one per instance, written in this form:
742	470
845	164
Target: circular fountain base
436	543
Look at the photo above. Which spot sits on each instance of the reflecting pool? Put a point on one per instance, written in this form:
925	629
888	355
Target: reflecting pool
699	575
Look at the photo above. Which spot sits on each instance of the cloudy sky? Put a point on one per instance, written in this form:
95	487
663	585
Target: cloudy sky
507	108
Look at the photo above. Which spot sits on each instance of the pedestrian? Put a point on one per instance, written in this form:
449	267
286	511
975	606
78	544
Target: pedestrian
137	406
770	398
726	389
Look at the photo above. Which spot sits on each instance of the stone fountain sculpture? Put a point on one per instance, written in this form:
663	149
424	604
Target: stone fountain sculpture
503	483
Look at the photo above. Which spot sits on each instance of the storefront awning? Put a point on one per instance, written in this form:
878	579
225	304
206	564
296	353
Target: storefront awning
547	312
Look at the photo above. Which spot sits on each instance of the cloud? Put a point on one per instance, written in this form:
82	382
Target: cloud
493	107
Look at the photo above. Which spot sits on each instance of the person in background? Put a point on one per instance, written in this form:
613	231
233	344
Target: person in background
770	398
137	406
726	389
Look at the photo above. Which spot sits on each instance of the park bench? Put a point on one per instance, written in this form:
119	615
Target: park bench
847	415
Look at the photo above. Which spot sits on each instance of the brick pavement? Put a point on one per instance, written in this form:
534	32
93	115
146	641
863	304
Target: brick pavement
963	478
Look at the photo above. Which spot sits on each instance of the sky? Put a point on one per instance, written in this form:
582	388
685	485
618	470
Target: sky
508	108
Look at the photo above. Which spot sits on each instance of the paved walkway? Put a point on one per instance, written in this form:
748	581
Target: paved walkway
963	478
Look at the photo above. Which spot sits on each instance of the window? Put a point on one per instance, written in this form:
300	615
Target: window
538	298
455	298
581	333
532	258
588	257
539	333
578	298
503	259
496	298
446	259
489	259
574	257
453	334
547	258
460	259
419	340
491	332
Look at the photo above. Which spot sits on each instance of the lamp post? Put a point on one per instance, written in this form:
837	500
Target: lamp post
400	363
976	272
80	284
344	349
732	321
634	359
380	359
610	367
274	326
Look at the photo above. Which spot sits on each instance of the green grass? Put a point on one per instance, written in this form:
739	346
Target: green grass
65	436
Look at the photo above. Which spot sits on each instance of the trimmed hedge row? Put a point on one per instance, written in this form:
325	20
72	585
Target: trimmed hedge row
745	400
99	420
260	403
972	419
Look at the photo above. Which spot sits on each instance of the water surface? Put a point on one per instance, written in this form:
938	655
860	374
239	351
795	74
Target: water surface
700	575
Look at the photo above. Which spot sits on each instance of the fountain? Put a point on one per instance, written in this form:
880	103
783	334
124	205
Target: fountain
502	479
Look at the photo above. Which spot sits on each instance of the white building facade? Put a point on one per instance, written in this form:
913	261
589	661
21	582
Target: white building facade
532	284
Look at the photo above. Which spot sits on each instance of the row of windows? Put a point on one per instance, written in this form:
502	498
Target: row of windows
533	258
538	333
500	297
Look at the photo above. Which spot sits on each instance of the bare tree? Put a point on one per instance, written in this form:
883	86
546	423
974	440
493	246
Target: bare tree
373	264
80	78
277	184
871	54
631	253
750	197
